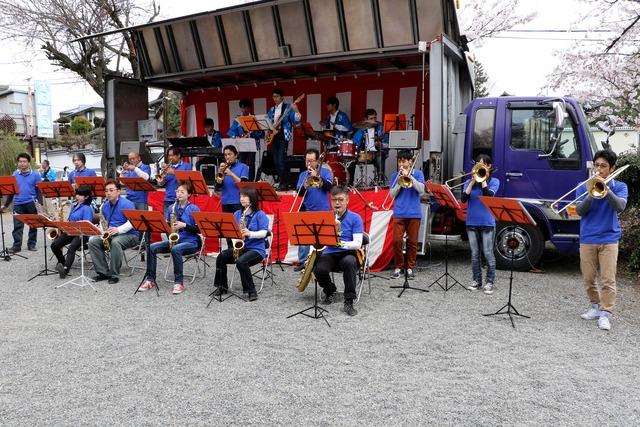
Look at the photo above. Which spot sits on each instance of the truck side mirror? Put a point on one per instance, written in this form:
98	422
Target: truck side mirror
560	112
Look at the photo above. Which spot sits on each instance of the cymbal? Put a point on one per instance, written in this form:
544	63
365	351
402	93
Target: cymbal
365	124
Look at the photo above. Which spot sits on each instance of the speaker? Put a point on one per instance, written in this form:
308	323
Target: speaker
295	165
407	139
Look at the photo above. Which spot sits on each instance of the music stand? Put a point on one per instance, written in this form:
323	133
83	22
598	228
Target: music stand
511	212
195	178
266	193
317	229
81	229
96	183
249	123
218	225
38	221
445	197
51	189
8	187
394	122
147	222
135	183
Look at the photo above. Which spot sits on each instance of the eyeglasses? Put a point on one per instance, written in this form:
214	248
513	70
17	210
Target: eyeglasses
338	199
601	165
110	190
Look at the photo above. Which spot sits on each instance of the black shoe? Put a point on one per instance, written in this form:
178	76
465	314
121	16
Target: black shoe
113	280
13	250
327	298
99	277
32	249
253	296
61	270
218	292
348	308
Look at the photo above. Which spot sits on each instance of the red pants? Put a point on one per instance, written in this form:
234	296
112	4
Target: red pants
411	226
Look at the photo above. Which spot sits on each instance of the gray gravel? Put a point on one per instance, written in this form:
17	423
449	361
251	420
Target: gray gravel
73	356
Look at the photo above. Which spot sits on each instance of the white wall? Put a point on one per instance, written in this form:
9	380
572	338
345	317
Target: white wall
624	139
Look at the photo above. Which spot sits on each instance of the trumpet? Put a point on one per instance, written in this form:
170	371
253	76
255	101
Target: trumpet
174	236
162	172
220	174
479	173
122	168
597	188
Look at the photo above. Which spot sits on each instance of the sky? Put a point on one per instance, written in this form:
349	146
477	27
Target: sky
515	62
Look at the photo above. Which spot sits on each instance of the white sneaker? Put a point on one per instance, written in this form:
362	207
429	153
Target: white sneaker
488	288
474	286
591	314
396	273
604	323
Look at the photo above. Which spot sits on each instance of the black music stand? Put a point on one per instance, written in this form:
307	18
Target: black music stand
317	229
512	212
445	197
266	193
96	183
38	221
81	229
217	225
147	222
8	187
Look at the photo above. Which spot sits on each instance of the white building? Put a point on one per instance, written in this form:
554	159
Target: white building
89	112
625	139
15	104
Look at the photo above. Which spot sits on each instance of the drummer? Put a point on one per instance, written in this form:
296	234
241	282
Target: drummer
336	121
370	138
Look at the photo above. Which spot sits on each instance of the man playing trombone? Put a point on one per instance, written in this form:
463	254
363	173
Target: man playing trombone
314	186
599	235
406	188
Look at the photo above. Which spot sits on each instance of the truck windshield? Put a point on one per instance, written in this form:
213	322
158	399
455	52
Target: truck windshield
592	141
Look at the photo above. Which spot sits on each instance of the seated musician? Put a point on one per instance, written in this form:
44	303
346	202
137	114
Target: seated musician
254	226
188	243
237	131
337	120
167	178
134	168
343	255
372	140
215	140
80	211
121	232
79	161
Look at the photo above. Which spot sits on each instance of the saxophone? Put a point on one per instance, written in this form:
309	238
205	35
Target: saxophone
53	234
174	236
307	272
106	237
238	244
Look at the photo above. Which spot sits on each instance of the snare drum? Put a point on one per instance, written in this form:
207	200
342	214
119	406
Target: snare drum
347	149
340	173
365	156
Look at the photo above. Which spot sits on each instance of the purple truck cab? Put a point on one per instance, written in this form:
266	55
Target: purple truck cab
537	162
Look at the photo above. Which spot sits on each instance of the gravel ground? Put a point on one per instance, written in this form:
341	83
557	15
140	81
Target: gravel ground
73	356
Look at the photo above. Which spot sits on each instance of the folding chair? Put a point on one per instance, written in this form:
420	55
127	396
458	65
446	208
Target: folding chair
363	269
265	268
197	258
137	258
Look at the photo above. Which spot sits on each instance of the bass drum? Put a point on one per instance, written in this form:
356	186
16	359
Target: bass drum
340	173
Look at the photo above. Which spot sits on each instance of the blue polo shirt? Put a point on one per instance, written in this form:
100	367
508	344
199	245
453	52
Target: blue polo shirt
407	201
48	175
254	221
230	191
27	186
236	131
81	212
137	196
113	213
171	183
83	172
350	224
477	213
316	199
600	224
185	215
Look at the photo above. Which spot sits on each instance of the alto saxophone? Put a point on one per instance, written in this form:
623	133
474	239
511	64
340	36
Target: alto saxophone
238	244
106	237
307	271
174	236
53	234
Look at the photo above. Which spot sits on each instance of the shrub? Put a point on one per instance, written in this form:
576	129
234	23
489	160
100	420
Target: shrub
631	176
80	126
10	147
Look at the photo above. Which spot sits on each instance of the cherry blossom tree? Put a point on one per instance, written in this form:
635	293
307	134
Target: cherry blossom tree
481	19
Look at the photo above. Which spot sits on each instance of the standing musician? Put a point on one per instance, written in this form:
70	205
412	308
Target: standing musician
481	225
314	198
372	140
24	202
167	178
231	172
215	140
599	235
188	242
121	232
342	256
282	139
80	211
337	120
237	131
135	168
254	225
406	214
79	161
46	173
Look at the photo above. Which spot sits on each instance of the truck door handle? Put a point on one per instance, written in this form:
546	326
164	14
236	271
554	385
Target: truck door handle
514	174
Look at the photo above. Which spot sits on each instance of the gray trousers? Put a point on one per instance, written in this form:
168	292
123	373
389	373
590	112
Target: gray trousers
119	243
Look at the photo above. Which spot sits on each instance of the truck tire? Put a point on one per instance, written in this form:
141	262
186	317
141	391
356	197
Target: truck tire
529	242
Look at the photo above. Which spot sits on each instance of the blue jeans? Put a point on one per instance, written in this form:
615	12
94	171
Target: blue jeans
177	252
141	206
279	147
18	226
303	253
481	238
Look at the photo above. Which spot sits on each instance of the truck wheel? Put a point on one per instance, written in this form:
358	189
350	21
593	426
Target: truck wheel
528	242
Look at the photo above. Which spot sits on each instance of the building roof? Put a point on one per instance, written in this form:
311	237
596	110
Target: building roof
10	91
82	108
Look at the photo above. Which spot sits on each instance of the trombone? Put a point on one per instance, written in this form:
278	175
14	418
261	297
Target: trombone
312	181
404	180
479	173
597	188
